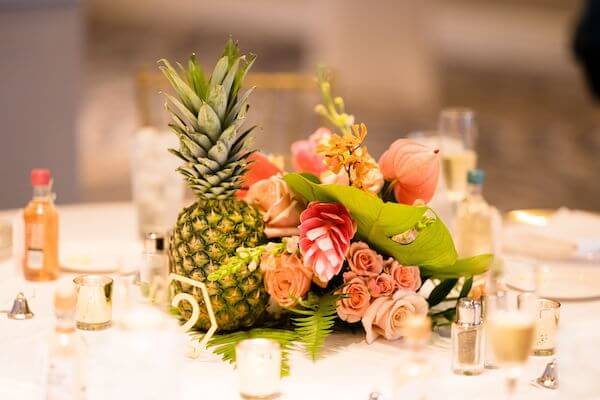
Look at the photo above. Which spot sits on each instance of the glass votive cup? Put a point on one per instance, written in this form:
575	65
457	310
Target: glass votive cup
546	326
259	368
93	311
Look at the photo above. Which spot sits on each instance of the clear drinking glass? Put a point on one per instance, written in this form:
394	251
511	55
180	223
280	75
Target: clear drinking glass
457	128
157	188
547	317
511	332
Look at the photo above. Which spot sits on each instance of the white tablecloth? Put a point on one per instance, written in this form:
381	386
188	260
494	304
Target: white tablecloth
349	368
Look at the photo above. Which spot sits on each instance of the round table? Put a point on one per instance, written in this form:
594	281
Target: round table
348	368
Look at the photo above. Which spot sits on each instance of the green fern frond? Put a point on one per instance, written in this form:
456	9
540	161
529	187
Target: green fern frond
315	324
224	345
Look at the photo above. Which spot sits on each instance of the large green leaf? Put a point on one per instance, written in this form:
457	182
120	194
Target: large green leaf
377	221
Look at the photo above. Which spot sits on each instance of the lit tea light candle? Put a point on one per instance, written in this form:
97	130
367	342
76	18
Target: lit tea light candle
259	368
93	310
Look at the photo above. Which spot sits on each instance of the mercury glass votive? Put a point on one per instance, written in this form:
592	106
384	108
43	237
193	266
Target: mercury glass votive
546	326
259	368
93	310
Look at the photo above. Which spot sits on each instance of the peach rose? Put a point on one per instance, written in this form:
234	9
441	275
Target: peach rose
364	261
386	315
304	153
330	177
382	285
286	279
278	204
352	307
405	277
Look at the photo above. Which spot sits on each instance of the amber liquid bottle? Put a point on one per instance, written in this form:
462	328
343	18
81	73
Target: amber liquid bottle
40	261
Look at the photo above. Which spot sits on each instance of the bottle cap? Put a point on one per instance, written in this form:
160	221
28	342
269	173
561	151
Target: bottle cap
475	176
154	243
468	311
40	177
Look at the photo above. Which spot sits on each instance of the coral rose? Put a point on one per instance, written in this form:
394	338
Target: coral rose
405	277
353	306
413	167
260	167
304	153
287	279
364	261
381	285
386	315
278	204
325	233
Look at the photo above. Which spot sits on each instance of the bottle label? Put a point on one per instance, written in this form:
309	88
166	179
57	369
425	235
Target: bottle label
35	246
62	379
35	258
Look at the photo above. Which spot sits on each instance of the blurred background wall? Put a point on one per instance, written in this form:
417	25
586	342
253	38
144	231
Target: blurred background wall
396	62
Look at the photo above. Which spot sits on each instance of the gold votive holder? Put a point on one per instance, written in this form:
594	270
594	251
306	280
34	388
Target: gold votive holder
546	326
93	310
259	368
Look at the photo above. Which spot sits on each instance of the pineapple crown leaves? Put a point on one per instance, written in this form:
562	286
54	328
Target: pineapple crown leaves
207	114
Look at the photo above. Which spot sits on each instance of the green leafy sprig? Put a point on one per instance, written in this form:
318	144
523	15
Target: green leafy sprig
245	257
315	322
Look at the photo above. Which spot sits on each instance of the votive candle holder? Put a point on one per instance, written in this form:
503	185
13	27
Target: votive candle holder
93	310
259	368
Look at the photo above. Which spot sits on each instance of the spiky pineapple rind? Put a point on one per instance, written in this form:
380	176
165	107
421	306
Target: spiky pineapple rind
206	233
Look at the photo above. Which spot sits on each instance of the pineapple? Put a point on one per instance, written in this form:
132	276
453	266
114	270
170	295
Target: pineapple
207	115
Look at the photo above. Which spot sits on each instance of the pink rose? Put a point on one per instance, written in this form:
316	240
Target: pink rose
352	307
386	315
278	204
259	168
413	167
325	233
405	277
382	285
304	153
364	261
286	278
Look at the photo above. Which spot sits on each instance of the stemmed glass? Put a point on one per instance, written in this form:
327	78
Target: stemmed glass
511	332
457	128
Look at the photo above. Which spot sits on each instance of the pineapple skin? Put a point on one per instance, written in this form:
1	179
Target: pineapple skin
205	234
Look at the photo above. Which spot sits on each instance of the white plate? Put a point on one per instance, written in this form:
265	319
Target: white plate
99	256
558	280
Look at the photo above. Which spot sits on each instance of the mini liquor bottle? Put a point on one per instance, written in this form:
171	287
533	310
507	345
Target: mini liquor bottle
154	269
65	367
468	338
40	261
477	224
411	378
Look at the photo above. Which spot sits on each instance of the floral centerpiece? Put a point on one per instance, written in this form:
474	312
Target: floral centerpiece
345	241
